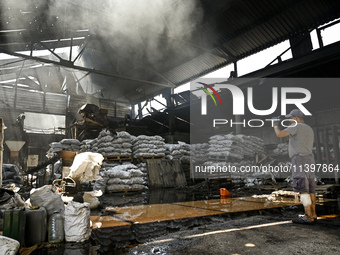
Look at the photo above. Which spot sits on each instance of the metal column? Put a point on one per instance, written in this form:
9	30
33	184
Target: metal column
171	117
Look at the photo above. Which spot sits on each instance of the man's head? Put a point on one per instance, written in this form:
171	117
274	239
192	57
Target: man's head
296	115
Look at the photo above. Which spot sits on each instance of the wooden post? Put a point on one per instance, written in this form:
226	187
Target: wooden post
2	127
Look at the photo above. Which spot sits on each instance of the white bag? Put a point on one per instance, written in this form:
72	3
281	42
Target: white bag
92	198
86	166
77	222
8	245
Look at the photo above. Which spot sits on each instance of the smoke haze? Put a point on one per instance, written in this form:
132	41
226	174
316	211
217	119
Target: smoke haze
141	27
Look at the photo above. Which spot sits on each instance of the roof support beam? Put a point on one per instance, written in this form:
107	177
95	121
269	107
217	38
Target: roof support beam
52	51
83	47
68	64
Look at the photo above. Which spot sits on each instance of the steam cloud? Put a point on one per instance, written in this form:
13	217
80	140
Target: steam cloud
143	28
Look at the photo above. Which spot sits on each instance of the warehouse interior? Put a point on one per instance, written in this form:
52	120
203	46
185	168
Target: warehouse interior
78	70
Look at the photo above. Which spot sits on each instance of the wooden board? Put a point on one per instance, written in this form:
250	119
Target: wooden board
180	179
165	173
155	178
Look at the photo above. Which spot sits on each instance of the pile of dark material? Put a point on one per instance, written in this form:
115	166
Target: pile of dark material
124	177
10	174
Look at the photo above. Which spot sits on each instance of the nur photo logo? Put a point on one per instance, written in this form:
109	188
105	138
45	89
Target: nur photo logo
213	90
239	99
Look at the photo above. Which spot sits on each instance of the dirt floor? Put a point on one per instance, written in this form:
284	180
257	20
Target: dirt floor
252	235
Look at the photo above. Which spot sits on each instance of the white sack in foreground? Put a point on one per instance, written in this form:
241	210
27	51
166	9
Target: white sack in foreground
77	222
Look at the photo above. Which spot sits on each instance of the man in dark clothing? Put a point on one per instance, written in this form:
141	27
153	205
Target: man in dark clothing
301	139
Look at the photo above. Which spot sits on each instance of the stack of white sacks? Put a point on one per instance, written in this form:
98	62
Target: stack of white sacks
124	177
109	144
148	146
179	151
199	152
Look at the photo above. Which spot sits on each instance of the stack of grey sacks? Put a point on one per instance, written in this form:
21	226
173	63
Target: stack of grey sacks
148	146
124	177
179	151
231	152
86	145
109	144
199	152
281	150
66	145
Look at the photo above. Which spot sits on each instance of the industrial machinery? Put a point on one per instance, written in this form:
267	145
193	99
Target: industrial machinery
92	120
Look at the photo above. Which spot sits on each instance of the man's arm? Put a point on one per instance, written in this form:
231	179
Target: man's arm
280	133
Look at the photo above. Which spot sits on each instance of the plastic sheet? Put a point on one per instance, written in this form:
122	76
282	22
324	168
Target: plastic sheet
86	166
47	198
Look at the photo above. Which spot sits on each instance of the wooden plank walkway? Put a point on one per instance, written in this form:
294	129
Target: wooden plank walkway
123	216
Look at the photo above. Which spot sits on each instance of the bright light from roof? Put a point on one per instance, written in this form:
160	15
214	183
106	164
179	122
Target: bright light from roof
39	53
43	123
331	34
